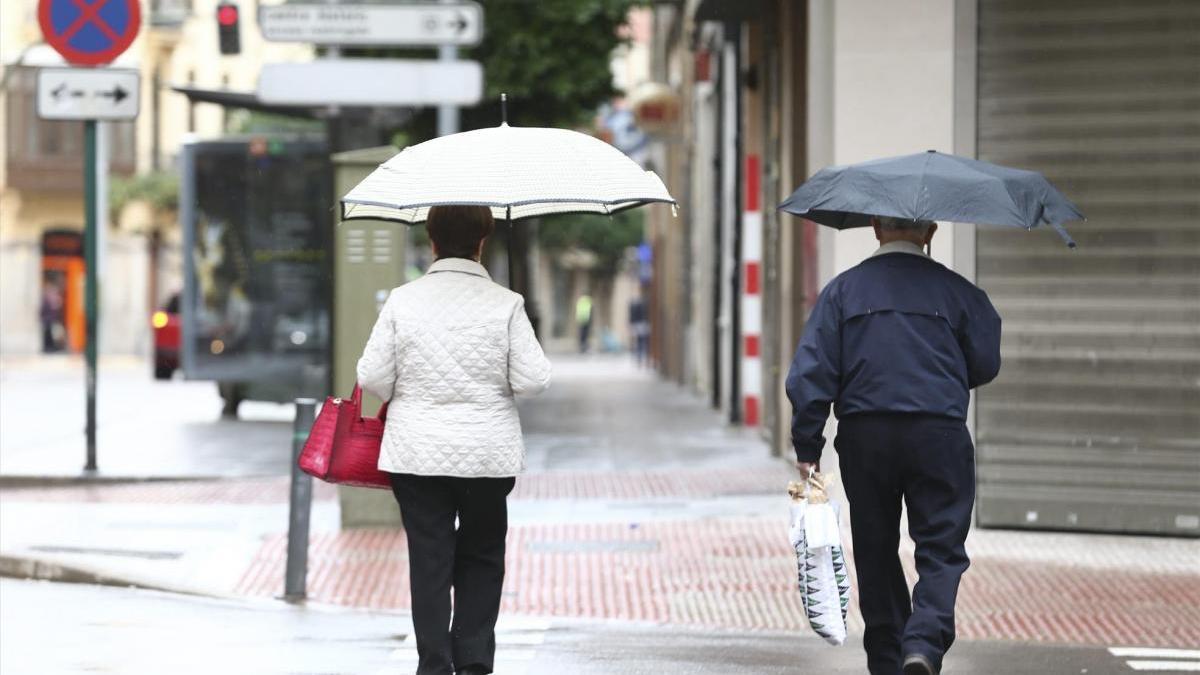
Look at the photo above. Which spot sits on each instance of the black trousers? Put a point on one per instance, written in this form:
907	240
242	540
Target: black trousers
469	559
929	463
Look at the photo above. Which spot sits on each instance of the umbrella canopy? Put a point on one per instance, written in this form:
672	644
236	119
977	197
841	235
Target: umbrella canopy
931	186
521	172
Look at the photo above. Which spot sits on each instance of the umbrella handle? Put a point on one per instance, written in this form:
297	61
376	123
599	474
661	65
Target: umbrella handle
1062	232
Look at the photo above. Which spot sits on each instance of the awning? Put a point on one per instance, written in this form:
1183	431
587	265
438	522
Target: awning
247	101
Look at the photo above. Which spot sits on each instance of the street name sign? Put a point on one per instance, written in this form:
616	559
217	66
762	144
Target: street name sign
457	24
371	82
89	33
87	94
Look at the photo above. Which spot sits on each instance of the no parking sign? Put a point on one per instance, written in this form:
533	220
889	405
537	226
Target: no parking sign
89	32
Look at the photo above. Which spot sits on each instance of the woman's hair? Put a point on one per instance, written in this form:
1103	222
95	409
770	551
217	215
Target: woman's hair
458	230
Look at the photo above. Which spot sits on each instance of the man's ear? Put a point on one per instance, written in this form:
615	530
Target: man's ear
929	234
875	226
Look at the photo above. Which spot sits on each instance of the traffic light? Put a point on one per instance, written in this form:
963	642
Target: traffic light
227	28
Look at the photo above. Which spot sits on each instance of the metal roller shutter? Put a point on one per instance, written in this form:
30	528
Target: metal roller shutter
1094	423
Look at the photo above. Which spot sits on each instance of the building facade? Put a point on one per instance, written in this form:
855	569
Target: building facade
1094	423
41	172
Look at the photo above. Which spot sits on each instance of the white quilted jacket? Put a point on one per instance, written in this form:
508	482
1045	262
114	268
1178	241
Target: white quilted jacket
449	351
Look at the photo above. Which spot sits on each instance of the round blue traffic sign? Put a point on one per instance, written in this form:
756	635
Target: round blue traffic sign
89	32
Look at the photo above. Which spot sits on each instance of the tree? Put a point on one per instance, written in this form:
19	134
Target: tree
158	189
606	238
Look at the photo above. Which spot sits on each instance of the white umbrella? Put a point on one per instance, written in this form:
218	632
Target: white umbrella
521	172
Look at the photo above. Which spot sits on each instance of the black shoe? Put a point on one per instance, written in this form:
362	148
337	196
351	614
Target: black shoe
918	664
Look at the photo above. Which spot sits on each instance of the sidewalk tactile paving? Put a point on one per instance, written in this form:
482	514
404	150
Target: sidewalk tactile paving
738	573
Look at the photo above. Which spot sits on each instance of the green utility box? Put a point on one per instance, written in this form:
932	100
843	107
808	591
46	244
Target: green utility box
369	261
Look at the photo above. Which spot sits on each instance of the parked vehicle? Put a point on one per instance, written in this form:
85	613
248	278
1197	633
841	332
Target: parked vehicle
166	326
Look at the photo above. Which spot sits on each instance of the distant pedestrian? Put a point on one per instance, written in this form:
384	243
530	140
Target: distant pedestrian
50	313
583	318
895	344
639	325
449	351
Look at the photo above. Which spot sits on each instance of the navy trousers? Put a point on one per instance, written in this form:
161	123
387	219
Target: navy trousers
928	462
469	559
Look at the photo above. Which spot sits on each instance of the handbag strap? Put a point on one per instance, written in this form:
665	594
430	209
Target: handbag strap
354	412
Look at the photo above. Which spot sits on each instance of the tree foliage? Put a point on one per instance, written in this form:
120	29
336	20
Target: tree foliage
607	238
552	58
159	189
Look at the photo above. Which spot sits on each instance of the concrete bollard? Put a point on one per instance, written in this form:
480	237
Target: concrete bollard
299	506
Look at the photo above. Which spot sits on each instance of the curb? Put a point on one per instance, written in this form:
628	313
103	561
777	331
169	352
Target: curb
23	567
37	569
33	481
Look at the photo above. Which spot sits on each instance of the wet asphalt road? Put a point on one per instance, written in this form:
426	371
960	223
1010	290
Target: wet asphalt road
65	628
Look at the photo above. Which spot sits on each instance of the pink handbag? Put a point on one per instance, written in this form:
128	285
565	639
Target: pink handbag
343	446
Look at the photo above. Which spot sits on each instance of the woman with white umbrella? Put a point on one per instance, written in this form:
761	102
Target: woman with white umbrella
451	349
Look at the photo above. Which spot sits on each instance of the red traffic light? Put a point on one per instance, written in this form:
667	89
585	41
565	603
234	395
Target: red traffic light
227	15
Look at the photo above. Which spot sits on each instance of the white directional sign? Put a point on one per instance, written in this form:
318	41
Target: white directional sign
87	94
371	82
460	23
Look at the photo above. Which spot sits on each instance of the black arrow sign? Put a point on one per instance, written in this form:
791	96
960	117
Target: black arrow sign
62	90
460	23
117	94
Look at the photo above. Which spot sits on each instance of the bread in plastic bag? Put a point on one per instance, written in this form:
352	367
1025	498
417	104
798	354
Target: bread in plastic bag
824	578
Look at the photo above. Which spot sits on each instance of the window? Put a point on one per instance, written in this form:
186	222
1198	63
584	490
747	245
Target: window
46	155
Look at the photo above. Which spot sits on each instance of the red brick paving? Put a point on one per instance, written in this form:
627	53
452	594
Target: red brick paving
689	484
728	573
738	573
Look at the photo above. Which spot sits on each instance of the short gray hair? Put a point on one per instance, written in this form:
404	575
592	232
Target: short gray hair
890	224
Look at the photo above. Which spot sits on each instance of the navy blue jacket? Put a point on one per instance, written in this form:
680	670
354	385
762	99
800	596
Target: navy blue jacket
897	333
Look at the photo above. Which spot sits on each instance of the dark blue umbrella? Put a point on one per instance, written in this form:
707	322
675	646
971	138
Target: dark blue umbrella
932	186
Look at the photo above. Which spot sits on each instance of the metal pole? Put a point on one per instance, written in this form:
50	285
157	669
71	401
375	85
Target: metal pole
92	290
299	506
447	119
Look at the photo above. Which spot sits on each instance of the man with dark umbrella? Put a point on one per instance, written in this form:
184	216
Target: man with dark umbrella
895	344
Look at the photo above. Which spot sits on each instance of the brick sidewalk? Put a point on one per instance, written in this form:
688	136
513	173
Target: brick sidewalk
738	574
641	454
720	572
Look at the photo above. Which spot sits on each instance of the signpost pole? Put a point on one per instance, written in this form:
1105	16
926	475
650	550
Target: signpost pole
89	93
92	290
447	119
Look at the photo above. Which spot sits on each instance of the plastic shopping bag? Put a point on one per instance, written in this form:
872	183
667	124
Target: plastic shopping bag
816	537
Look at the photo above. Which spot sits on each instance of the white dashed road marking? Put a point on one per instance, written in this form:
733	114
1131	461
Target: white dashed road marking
1153	659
